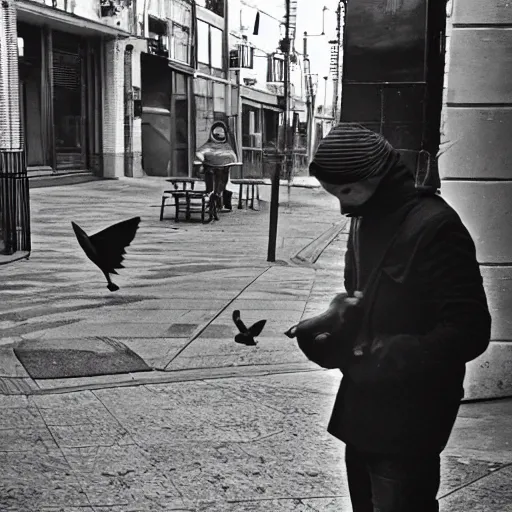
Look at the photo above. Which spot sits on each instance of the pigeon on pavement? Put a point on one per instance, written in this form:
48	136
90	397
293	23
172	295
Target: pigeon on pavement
246	336
106	249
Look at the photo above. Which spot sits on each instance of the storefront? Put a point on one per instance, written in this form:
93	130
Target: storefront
60	96
166	90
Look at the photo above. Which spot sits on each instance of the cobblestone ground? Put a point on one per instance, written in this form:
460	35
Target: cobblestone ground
216	426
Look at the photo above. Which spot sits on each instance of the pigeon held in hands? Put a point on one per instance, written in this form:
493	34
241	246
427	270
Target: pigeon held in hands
247	336
106	249
329	321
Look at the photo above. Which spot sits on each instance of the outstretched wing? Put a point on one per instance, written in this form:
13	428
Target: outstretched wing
238	321
255	329
110	244
83	240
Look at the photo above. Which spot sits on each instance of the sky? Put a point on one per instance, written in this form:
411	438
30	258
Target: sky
309	18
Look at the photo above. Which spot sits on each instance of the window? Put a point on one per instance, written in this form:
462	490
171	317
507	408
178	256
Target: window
219	97
251	127
215	6
203	42
180	20
210	47
270	123
180	43
216	48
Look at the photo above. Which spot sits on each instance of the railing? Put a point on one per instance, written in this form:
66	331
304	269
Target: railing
14	203
255	165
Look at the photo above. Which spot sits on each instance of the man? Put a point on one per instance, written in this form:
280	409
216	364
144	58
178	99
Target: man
414	314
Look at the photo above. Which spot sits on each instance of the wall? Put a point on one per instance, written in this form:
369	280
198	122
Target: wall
90	9
475	166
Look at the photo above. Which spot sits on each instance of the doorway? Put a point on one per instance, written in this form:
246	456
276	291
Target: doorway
60	86
31	93
165	118
68	101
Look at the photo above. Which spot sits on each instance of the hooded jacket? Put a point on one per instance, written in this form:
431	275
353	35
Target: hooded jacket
214	153
424	316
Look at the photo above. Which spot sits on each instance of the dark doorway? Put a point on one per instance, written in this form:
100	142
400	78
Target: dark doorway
180	129
393	72
60	96
30	73
156	115
69	101
165	118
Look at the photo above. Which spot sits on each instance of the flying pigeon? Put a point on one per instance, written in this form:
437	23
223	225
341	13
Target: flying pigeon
246	336
106	249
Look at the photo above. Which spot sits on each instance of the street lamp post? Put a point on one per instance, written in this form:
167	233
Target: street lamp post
276	175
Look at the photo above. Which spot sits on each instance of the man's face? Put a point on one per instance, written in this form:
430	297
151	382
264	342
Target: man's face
352	195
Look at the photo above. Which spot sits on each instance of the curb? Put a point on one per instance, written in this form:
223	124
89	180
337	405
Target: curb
169	377
17	256
308	255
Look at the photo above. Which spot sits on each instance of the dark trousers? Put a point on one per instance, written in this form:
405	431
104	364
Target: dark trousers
381	483
216	179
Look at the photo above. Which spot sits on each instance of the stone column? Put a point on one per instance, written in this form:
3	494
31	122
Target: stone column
113	110
476	168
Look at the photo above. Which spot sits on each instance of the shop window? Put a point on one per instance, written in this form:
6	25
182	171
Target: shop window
251	127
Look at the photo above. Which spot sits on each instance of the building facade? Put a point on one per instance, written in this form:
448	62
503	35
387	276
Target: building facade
475	165
437	77
164	72
63	59
106	86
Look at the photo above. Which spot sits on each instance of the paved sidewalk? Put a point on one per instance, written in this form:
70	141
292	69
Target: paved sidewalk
216	426
180	285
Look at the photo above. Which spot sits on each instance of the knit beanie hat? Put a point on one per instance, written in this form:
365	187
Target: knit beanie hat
350	153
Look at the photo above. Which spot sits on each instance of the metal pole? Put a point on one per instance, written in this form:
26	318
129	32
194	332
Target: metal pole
128	111
274	198
239	113
325	95
336	82
307	72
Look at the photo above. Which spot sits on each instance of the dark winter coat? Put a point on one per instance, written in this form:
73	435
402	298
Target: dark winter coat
427	311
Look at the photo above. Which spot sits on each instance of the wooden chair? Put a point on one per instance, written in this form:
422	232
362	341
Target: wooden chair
194	201
188	200
254	184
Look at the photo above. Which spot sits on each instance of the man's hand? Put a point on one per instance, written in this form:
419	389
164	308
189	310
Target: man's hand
388	359
325	338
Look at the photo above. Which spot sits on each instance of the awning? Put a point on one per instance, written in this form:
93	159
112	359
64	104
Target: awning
41	14
265	98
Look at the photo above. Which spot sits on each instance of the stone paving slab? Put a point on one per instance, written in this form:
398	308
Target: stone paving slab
226	432
490	494
229	444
